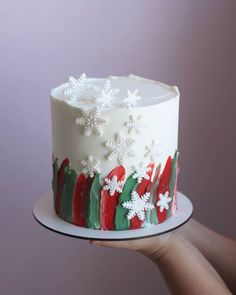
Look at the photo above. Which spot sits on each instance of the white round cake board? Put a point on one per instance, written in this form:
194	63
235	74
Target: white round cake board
44	213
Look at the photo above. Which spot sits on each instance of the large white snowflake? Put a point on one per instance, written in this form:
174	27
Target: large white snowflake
164	199
92	121
90	166
138	205
120	149
113	185
134	124
131	99
152	151
74	87
141	173
104	96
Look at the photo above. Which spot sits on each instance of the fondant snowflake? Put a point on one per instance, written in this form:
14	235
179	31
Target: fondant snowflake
164	199
142	173
152	151
104	96
131	99
90	166
134	124
92	121
120	149
147	224
113	185
74	87
138	205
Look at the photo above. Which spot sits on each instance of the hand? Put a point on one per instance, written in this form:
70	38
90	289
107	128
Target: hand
152	247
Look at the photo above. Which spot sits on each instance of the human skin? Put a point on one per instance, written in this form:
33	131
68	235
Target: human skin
219	250
188	259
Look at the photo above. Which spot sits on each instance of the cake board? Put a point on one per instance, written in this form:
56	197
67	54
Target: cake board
45	215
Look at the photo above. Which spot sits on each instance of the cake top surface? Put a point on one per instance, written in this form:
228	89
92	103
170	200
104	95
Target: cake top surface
113	92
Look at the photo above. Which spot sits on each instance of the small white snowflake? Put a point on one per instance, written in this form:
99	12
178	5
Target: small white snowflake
90	166
147	224
92	121
104	96
164	199
113	185
152	151
141	173
120	149
131	99
74	87
138	205
134	124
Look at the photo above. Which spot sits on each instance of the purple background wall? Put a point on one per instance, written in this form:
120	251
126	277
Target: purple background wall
187	43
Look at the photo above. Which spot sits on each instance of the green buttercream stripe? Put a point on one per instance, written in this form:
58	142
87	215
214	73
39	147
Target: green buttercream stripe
67	194
153	218
172	181
121	221
93	220
148	216
54	177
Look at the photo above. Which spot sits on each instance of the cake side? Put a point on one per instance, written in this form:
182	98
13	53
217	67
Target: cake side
151	131
115	166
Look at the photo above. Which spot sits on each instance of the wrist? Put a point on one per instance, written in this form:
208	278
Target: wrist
159	246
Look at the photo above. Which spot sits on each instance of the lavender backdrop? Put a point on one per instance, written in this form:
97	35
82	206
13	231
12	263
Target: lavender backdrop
188	43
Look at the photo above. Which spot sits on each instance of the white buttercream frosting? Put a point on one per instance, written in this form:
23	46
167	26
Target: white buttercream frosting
149	91
144	128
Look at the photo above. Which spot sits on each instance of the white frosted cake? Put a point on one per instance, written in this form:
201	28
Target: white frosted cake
115	159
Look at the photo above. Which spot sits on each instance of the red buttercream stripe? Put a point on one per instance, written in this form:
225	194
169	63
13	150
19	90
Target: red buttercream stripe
164	187
142	188
60	184
77	199
108	203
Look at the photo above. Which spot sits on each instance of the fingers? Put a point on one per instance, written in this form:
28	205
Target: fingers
137	244
113	244
147	246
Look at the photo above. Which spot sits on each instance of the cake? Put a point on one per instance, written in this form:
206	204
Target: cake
115	158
